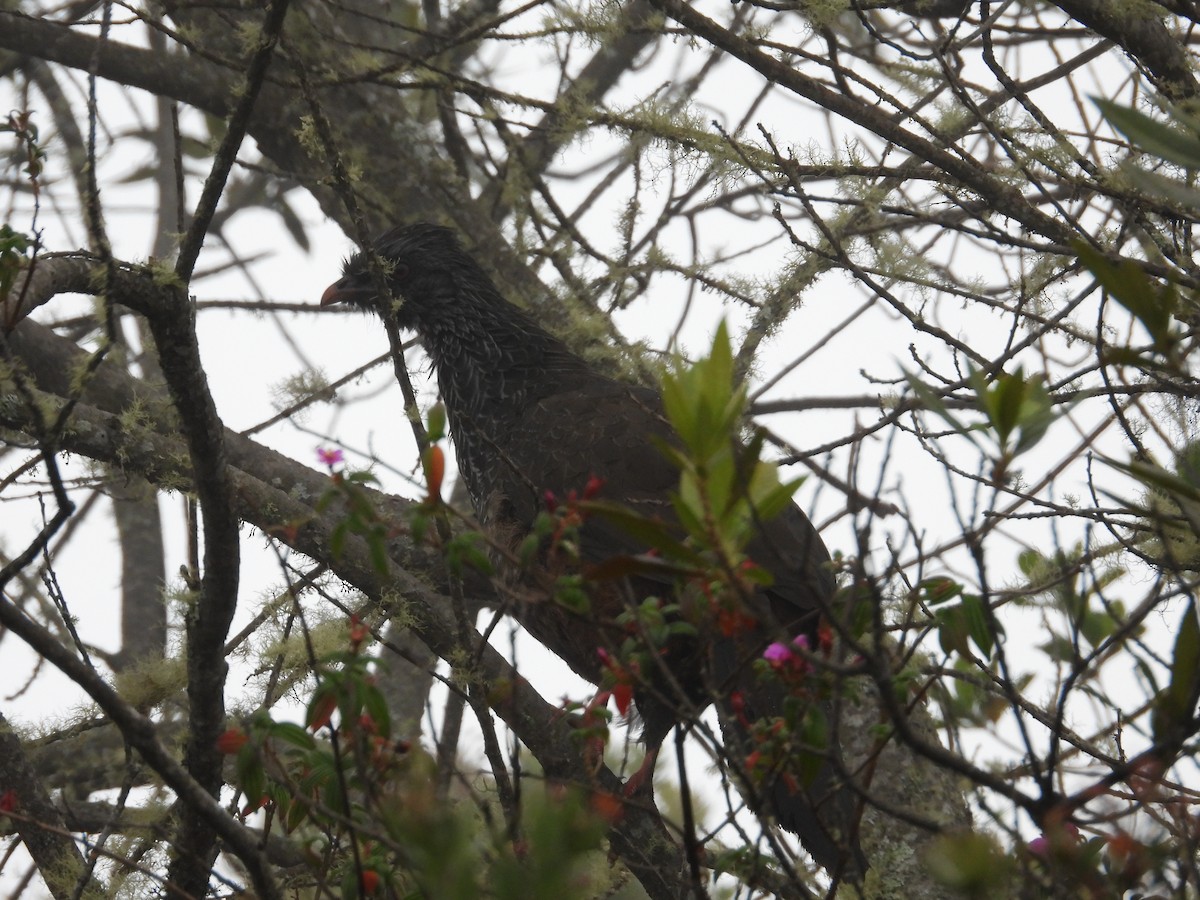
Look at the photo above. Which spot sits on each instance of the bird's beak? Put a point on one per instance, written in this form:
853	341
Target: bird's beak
347	290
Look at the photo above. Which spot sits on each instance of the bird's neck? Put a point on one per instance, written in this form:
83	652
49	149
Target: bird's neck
493	364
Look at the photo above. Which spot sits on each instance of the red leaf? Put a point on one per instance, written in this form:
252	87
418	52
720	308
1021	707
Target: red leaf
320	711
253	805
623	694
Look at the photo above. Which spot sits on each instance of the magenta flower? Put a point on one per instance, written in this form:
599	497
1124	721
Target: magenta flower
783	656
777	653
330	458
1059	838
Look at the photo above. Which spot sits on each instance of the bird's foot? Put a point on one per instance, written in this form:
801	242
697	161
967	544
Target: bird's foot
640	785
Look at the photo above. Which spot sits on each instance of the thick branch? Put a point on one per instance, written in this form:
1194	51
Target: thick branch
38	821
640	838
140	732
1139	29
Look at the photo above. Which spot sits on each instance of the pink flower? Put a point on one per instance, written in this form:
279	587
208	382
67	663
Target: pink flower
1059	838
777	653
784	656
330	458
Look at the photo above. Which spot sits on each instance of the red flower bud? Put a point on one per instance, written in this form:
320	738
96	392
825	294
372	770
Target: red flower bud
607	806
435	470
358	632
231	741
623	694
369	881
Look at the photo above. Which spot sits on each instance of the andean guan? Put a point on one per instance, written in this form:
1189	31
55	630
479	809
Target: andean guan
528	416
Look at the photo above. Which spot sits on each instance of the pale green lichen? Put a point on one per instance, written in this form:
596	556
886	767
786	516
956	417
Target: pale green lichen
825	13
151	682
163	273
298	388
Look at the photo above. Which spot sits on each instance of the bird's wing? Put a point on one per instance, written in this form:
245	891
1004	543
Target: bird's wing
598	429
613	431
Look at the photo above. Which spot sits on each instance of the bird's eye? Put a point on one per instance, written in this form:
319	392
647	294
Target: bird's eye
400	272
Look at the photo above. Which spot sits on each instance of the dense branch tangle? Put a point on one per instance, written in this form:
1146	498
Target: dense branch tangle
862	188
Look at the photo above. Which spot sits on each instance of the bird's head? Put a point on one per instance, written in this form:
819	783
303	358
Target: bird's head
450	301
424	265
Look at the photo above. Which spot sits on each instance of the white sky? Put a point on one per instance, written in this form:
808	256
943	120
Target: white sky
247	357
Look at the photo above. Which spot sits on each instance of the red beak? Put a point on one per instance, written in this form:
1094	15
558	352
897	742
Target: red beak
332	295
352	289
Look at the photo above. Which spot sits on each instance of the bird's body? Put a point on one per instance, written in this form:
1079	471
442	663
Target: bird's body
528	417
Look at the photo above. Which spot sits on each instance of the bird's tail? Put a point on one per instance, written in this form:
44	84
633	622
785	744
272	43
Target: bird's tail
783	742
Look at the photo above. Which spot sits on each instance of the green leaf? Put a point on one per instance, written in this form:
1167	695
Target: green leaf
977	624
617	567
952	630
527	549
682	629
419	524
1036	413
141	173
1127	356
689	504
1001	402
251	775
338	538
721	486
291	221
1151	302
966	620
468	549
1163	188
294	810
1175	706
1157	138
1012	404
939	589
1162	479
814	732
768	494
1059	649
654	533
292	734
701	400
377	550
971	863
377	708
435	425
13	247
676	407
1097	626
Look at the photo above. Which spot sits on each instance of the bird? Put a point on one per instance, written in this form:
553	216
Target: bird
531	419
